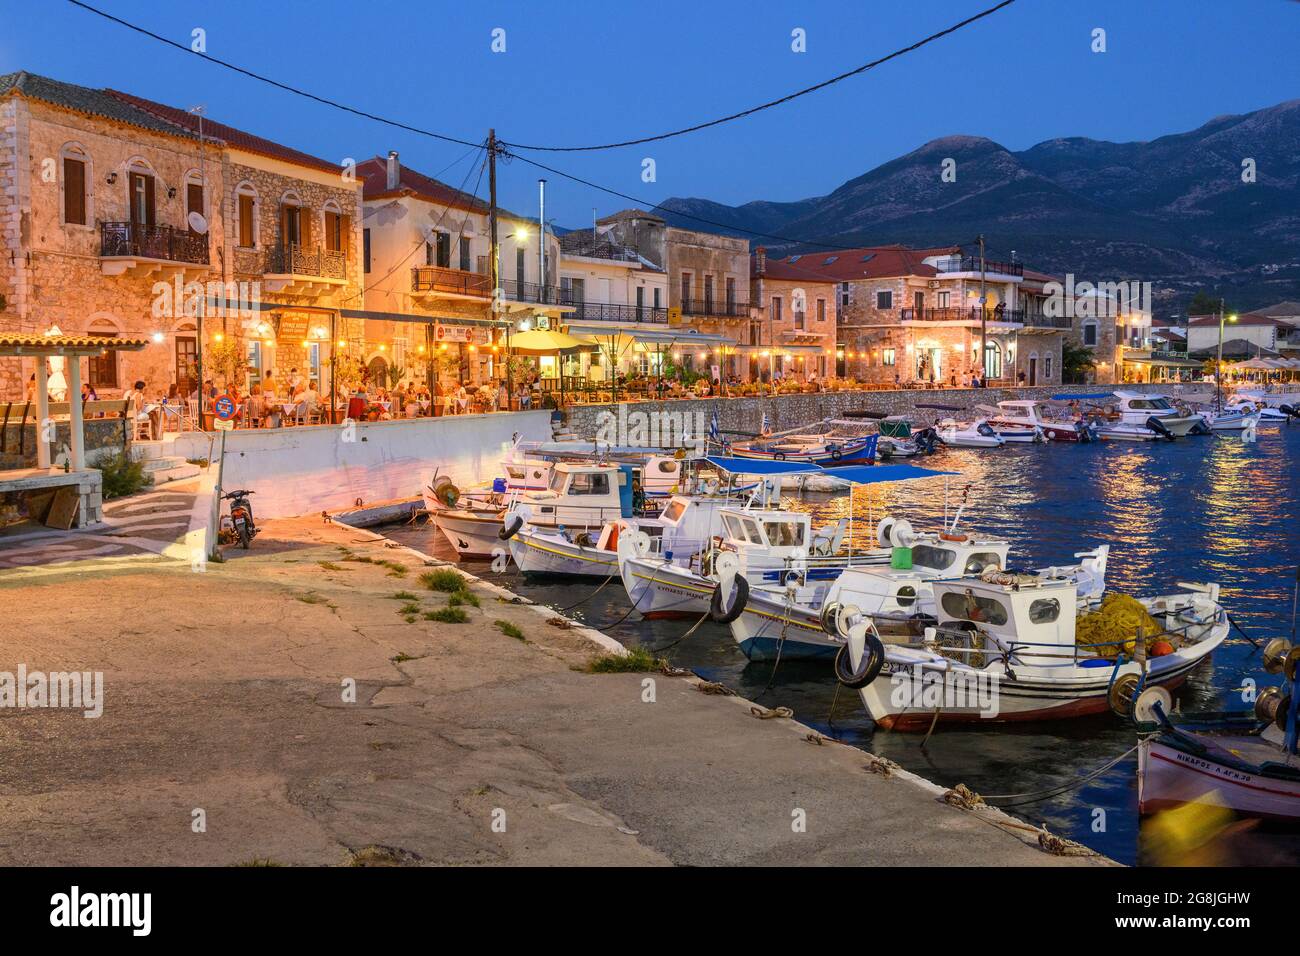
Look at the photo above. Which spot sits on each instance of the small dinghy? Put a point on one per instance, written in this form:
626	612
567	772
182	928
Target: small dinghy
469	522
1244	762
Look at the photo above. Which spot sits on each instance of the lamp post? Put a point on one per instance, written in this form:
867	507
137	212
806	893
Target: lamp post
984	344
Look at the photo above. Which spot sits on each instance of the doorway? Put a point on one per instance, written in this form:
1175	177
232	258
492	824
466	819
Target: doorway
187	364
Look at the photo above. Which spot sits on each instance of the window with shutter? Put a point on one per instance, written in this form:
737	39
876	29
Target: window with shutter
246	221
194	201
365	248
333	232
74	191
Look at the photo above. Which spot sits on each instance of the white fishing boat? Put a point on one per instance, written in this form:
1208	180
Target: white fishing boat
1267	414
471	522
677	534
968	434
1245	763
1145	416
760	543
1006	648
528	465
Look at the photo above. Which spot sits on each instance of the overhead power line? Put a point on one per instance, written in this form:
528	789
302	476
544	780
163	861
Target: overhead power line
730	117
355	111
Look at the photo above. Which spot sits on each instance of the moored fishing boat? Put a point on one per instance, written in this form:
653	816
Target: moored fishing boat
469	522
1243	762
809	449
1030	420
1008	647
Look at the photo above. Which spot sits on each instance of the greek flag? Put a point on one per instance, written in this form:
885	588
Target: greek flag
714	432
766	427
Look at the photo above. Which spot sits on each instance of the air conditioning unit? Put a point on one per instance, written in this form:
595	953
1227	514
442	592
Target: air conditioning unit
933	283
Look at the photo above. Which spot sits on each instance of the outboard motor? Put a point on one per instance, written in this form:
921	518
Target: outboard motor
1290	411
1160	428
926	439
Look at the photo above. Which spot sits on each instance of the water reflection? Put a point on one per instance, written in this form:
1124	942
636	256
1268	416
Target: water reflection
1199	509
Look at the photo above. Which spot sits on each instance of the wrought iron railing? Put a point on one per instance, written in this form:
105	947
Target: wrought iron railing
612	312
516	291
454	281
293	259
152	242
722	307
960	315
972	264
1038	320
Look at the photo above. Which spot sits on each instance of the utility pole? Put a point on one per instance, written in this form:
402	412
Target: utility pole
495	258
198	319
983	363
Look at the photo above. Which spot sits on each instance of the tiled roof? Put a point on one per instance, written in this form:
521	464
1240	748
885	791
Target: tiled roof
374	173
85	100
630	214
31	341
1248	318
867	262
233	138
1280	309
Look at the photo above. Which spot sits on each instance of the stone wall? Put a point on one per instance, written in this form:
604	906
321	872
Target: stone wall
791	411
104	436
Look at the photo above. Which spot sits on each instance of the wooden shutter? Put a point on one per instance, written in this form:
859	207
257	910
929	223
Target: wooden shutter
194	201
345	235
74	191
246	221
304	226
149	209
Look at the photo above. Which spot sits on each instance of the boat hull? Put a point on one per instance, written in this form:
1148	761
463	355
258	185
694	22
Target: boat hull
552	554
472	535
1171	777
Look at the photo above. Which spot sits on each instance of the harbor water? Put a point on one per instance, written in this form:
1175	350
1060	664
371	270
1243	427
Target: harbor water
1199	509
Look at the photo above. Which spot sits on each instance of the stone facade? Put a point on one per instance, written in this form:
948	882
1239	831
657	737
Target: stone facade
794	325
56	276
708	283
103	436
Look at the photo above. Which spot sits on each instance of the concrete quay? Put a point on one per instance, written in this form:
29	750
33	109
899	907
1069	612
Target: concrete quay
224	692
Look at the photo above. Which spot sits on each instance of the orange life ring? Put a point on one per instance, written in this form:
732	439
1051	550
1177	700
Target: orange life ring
952	537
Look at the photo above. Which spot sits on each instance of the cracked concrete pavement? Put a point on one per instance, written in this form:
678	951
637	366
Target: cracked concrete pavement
224	692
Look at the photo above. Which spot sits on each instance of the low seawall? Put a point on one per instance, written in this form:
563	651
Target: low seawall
790	411
297	471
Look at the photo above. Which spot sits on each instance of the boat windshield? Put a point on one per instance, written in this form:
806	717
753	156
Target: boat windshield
1149	403
928	556
784	534
582	483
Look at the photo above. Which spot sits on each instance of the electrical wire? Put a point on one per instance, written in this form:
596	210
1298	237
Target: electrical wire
731	117
777	102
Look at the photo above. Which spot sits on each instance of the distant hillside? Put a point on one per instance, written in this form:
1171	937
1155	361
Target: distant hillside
1173	210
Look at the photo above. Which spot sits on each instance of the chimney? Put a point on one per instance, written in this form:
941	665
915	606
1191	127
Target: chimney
760	260
394	170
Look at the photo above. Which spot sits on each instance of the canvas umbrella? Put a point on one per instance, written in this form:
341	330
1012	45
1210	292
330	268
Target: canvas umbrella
546	342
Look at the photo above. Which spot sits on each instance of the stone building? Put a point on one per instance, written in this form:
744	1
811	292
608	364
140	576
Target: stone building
912	316
428	248
708	285
119	218
793	331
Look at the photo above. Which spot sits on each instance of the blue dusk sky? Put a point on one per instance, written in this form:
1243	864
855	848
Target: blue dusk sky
578	72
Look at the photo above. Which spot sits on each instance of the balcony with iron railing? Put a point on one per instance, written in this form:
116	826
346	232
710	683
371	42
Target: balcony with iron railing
965	316
435	280
972	264
294	259
1040	320
612	312
722	308
135	240
534	293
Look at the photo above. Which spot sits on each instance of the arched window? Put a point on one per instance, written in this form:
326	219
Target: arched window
295	221
76	176
334	227
196	197
141	192
247	212
102	369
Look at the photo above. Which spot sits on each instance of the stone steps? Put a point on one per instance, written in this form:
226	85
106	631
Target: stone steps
163	470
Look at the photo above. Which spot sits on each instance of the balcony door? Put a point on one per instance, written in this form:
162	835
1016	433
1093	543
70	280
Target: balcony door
141	189
187	363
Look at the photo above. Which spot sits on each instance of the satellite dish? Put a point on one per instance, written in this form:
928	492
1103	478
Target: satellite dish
197	222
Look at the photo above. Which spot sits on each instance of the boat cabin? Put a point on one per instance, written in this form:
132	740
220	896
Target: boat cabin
777	535
583	496
1029	616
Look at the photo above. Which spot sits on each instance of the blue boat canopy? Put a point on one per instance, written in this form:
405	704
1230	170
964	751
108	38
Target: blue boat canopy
871	474
762	466
1071	397
854	474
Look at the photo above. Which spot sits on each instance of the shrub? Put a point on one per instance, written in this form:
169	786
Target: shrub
636	660
509	630
443	579
447	615
122	476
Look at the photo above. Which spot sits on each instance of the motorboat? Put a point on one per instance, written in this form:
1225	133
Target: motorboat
527	466
1015	421
1241	762
1268	415
900	437
968	434
1146	416
1013	646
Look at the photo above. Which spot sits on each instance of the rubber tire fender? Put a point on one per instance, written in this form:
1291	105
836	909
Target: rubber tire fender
511	528
873	659
716	611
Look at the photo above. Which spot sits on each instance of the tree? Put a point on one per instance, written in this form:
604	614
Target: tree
1076	362
1205	303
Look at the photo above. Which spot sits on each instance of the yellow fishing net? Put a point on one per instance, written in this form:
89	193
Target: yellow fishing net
1118	619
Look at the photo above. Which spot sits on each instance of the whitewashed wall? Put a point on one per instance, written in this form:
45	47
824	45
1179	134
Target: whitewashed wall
296	471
